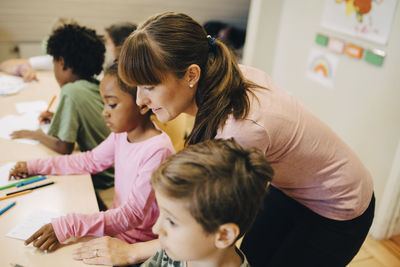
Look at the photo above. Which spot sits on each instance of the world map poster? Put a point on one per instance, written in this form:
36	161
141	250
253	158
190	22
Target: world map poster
366	19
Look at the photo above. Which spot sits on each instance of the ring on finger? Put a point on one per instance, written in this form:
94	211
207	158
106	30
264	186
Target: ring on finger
95	253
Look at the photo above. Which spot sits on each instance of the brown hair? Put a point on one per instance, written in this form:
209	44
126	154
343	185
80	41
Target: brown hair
169	43
221	182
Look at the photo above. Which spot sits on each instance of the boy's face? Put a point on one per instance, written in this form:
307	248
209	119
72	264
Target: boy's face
62	76
120	110
181	236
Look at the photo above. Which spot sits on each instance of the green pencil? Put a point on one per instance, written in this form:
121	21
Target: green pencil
14	184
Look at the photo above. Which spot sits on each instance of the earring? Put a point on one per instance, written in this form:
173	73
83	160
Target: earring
190	85
143	110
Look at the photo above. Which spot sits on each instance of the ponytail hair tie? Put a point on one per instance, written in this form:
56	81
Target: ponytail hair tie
211	43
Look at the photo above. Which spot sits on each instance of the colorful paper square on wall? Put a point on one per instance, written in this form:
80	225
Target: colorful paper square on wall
321	67
374	57
336	45
354	51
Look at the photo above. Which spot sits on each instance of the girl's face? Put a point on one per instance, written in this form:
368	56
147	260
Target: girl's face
120	110
181	236
168	99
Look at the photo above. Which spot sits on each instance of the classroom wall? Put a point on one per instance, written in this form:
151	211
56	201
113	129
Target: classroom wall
262	33
363	107
27	22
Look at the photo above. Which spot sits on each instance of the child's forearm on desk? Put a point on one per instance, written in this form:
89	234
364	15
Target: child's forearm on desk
56	144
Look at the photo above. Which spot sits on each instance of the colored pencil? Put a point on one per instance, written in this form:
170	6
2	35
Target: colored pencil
7	208
15	195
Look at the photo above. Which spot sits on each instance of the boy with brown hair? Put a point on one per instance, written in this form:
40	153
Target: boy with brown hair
209	195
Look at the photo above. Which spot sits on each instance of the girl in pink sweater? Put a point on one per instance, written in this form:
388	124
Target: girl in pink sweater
135	147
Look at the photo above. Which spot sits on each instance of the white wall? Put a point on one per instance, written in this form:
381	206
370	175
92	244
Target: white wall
27	21
363	107
262	33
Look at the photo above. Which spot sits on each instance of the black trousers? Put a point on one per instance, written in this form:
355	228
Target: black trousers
286	233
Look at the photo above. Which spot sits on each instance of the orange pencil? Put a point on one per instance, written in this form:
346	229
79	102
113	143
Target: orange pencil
48	108
15	195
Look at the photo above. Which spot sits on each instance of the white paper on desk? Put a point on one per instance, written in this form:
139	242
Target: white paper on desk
26	121
45	127
4	171
31	106
11	85
32	223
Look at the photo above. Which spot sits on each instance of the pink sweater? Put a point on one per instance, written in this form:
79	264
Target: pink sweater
312	164
135	210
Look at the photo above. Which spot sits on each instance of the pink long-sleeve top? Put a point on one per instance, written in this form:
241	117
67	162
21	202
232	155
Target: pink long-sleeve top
134	210
312	164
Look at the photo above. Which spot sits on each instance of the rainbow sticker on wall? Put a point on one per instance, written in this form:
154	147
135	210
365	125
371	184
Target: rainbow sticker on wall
322	67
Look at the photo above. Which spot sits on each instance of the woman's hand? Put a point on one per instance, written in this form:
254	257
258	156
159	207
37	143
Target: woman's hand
28	134
108	251
44	239
19	171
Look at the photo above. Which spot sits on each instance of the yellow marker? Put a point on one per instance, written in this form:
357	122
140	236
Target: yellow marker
15	195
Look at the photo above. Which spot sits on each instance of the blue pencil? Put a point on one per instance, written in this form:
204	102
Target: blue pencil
6	208
31	181
21	181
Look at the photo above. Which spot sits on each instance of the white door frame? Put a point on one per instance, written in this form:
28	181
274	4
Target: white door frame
387	220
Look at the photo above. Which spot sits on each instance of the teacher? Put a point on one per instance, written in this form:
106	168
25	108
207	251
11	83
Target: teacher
321	204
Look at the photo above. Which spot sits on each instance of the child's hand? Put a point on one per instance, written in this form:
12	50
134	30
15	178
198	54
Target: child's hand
19	171
27	72
34	135
44	239
46	116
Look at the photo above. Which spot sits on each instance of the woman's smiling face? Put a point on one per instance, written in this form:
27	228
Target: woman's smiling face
168	99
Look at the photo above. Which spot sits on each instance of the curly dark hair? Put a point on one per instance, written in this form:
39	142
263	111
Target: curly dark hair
80	47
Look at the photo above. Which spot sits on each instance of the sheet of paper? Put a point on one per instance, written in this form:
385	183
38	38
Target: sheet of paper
11	85
32	223
31	106
45	127
4	171
26	121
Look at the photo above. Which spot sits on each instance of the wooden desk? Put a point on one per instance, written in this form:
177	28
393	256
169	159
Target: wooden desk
72	193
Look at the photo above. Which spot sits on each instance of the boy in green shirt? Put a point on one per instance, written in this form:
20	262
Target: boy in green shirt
78	55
